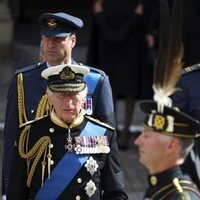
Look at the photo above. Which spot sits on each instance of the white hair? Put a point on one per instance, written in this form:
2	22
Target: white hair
186	144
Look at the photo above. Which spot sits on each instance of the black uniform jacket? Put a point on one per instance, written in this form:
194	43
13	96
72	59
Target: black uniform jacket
171	185
34	88
108	178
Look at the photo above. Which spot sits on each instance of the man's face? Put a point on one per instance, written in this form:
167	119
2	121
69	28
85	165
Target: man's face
57	50
152	146
67	105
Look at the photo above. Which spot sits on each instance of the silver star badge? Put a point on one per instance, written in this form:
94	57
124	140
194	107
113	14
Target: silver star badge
91	165
90	188
78	149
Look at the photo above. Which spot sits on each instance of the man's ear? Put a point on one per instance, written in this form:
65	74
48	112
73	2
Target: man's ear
84	100
49	97
73	40
172	145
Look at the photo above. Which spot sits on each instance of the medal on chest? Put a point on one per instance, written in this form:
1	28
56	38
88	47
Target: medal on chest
88	105
69	145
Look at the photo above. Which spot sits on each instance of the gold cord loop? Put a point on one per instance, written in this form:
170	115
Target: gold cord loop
35	152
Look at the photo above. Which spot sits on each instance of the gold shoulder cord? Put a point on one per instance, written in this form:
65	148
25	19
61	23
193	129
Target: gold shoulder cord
43	107
177	185
35	153
21	105
183	195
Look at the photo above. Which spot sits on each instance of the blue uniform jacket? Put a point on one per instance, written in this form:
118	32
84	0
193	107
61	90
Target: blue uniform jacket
34	89
188	100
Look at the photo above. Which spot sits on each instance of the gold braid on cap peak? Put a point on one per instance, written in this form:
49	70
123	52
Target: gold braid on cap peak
168	67
20	95
36	152
44	108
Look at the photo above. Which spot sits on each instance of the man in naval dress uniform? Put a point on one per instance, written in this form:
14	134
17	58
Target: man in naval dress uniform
66	154
26	98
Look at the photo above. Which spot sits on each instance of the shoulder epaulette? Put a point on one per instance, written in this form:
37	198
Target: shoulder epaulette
93	69
180	187
100	123
28	68
190	69
32	121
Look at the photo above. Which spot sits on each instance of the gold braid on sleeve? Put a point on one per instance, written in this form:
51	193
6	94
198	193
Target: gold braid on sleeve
20	95
35	152
43	107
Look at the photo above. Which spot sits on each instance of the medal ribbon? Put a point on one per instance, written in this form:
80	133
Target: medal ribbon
67	168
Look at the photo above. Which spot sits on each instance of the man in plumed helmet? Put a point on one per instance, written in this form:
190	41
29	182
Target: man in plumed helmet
66	154
168	134
26	95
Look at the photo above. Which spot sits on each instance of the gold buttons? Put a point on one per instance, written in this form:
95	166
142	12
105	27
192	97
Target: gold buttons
79	180
51	130
153	180
78	197
32	111
52	162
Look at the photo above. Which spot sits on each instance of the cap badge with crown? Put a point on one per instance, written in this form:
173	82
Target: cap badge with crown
67	74
52	23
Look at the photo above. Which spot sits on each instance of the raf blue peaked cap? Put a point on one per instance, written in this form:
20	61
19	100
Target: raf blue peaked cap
59	24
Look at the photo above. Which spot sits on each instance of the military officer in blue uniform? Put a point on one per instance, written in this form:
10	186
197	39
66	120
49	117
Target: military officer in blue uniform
165	142
188	100
66	155
26	98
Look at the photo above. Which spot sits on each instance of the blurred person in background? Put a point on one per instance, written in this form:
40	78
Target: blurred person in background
116	46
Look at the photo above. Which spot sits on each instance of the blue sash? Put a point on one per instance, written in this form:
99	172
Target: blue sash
67	168
92	80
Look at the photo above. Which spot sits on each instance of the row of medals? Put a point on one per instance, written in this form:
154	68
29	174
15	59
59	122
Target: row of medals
87	144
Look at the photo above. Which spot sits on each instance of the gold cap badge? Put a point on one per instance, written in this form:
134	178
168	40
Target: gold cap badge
159	122
52	23
67	74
